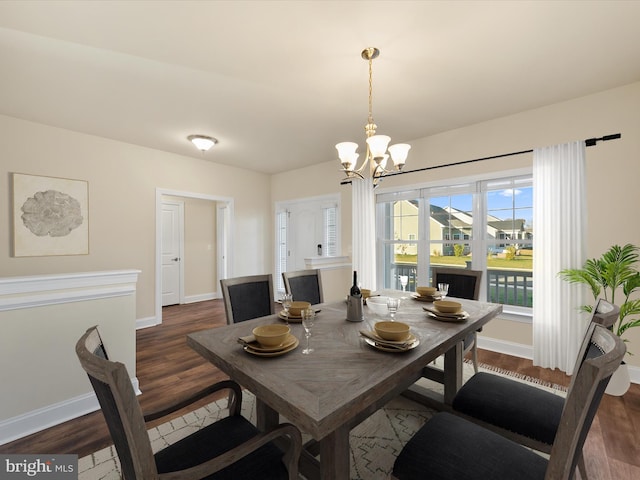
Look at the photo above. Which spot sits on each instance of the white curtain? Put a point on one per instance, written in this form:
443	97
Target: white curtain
363	216
559	220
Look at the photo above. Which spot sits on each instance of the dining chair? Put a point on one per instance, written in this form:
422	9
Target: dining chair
523	413
449	447
247	297
463	283
304	285
229	448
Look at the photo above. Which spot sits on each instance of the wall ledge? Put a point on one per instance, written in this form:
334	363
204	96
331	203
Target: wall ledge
41	290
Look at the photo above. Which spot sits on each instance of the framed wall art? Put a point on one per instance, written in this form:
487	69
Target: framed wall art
50	216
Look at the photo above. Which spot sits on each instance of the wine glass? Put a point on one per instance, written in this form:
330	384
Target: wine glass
392	306
404	279
443	289
308	317
286	300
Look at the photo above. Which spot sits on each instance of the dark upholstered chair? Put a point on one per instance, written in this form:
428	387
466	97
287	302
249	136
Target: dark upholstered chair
449	447
523	413
304	285
246	298
463	283
230	448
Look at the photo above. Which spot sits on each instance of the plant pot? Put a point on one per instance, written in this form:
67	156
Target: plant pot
620	381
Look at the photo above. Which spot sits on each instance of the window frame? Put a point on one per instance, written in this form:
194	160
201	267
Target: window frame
477	185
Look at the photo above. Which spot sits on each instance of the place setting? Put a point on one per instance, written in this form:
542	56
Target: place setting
446	311
269	340
292	311
431	294
390	336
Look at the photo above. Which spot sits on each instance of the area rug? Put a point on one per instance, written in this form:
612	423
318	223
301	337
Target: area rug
374	444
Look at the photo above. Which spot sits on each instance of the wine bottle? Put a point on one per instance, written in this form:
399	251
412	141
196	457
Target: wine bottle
355	290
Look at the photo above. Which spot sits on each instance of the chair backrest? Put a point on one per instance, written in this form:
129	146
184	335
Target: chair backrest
120	407
605	313
304	285
463	283
247	297
600	355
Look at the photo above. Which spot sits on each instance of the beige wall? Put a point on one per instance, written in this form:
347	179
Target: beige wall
122	192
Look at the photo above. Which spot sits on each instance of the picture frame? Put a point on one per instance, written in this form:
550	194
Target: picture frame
50	216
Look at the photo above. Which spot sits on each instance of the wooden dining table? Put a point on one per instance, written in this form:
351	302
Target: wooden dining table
345	380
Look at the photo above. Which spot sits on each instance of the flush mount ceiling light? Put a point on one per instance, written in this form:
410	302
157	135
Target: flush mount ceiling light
202	142
376	156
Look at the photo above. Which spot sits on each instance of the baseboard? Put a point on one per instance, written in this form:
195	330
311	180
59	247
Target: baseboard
146	322
526	351
50	416
201	298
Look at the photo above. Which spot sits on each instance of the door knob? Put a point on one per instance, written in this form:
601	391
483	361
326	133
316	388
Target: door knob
175	259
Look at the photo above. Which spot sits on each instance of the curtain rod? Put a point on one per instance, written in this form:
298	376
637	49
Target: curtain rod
589	142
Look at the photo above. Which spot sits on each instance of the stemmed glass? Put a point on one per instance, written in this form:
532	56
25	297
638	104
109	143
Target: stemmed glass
308	317
392	306
286	300
404	279
443	289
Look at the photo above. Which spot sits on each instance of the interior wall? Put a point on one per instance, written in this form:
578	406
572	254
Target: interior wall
122	182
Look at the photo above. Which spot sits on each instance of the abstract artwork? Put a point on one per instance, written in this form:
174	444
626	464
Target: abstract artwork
50	216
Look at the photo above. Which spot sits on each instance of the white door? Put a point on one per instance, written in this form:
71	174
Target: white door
305	233
171	245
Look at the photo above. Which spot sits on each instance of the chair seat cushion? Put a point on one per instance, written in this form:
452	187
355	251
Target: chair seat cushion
451	448
217	438
511	405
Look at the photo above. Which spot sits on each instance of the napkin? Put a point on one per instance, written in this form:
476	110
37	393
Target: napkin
246	340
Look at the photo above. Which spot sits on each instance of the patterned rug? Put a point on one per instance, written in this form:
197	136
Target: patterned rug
374	444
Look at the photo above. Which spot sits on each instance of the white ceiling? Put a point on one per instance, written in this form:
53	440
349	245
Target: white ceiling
279	83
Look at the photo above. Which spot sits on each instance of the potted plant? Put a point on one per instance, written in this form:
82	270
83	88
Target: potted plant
616	269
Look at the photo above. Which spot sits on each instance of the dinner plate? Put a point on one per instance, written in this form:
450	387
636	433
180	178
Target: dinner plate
288	341
290	318
390	348
448	318
273	354
425	298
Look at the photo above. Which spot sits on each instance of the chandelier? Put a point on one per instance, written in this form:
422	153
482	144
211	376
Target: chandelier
376	156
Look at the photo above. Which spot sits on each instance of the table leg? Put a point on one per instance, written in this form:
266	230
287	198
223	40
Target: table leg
266	417
452	372
334	455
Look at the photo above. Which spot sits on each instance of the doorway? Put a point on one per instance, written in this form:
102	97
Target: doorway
223	227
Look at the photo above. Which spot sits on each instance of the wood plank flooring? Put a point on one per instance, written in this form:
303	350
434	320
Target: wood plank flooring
167	367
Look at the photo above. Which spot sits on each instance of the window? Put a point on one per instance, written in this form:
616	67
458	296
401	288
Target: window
484	225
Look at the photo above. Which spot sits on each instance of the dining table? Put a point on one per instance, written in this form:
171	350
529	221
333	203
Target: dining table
347	377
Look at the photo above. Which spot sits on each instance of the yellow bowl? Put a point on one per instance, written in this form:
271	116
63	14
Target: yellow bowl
426	291
296	308
366	293
394	331
447	306
271	335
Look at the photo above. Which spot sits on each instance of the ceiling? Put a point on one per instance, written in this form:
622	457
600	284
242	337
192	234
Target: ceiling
279	83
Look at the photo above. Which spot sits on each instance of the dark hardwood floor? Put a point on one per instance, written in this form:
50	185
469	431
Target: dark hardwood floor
167	367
